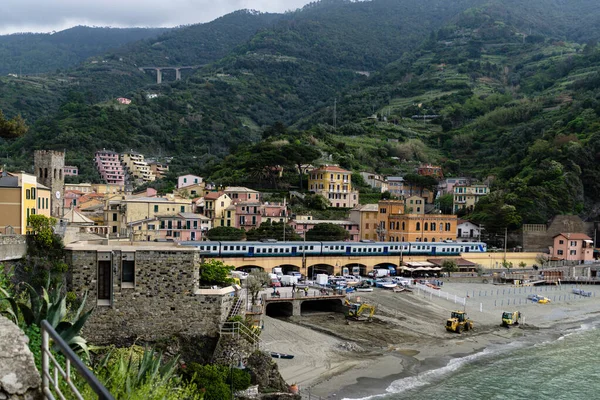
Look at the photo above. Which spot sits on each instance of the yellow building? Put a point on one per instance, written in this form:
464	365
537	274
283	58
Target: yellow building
466	196
225	216
121	212
193	191
20	197
215	203
136	167
159	169
335	184
366	218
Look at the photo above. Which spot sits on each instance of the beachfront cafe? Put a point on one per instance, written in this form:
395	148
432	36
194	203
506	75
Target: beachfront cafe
420	269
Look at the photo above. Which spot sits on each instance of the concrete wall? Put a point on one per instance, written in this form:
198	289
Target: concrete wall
163	302
540	240
12	247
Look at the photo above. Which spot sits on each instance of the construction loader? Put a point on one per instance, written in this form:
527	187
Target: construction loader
458	322
511	318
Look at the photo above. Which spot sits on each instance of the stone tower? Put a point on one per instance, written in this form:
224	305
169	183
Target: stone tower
48	167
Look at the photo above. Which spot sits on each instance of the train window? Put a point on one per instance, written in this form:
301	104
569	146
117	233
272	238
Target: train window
311	247
225	247
215	248
244	248
237	247
287	250
270	250
201	247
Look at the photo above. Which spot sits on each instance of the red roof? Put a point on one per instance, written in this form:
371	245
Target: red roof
460	262
213	195
575	236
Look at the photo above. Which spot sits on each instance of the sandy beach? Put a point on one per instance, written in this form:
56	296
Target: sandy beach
336	358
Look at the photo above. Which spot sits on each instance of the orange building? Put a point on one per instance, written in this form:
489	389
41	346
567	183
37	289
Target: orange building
431	170
422	228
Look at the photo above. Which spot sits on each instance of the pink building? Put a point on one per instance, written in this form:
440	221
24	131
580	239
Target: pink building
301	226
274	212
70	170
109	167
240	194
573	247
248	215
124	100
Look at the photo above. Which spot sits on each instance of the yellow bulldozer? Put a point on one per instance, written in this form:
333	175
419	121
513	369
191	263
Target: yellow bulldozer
511	318
359	311
459	322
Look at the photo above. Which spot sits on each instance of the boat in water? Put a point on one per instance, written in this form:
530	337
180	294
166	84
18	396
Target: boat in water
282	355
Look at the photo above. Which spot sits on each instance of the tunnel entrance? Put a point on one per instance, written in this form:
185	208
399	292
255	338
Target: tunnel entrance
282	309
286	269
314	270
319	306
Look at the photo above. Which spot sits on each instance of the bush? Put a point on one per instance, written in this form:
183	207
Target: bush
217	379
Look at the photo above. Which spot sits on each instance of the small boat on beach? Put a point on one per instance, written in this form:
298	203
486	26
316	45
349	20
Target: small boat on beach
364	289
582	292
282	355
390	285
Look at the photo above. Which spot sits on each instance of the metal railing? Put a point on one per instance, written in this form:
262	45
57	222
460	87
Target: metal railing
50	380
239	329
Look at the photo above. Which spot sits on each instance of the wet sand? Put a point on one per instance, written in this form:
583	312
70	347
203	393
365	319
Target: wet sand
336	358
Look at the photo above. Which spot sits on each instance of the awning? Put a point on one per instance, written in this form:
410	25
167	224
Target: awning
589	241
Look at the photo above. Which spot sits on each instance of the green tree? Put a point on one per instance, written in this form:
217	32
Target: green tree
316	202
445	203
255	282
299	155
449	266
45	253
327	232
215	272
14	128
226	233
273	230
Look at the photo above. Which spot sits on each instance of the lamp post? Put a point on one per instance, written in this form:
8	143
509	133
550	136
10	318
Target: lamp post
234	357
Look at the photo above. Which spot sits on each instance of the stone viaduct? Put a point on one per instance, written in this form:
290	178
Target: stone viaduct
160	69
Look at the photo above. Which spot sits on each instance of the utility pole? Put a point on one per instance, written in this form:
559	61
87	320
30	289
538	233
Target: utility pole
335	115
505	242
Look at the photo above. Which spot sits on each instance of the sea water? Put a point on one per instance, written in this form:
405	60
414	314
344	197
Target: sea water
548	365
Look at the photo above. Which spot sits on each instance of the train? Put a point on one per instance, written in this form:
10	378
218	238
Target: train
272	248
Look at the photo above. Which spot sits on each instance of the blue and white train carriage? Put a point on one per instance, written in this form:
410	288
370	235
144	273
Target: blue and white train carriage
293	249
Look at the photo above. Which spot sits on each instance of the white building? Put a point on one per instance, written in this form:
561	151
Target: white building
375	181
188	180
467	231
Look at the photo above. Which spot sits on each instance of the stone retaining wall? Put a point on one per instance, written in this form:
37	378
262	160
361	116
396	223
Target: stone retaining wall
160	304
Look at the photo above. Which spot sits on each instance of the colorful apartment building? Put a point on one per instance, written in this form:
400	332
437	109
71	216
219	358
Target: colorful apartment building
120	213
386	208
242	194
335	184
466	196
577	247
467	231
215	204
159	169
396	186
430	170
79	187
366	218
375	181
70	170
422	228
188	180
136	167
447	185
21	196
175	227
109	167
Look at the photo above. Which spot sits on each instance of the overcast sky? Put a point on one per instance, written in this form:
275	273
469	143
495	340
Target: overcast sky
56	15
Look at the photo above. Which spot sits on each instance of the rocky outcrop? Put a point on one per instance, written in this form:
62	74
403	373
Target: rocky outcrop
19	378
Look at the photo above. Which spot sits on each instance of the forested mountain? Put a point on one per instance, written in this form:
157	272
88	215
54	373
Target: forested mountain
514	86
34	53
